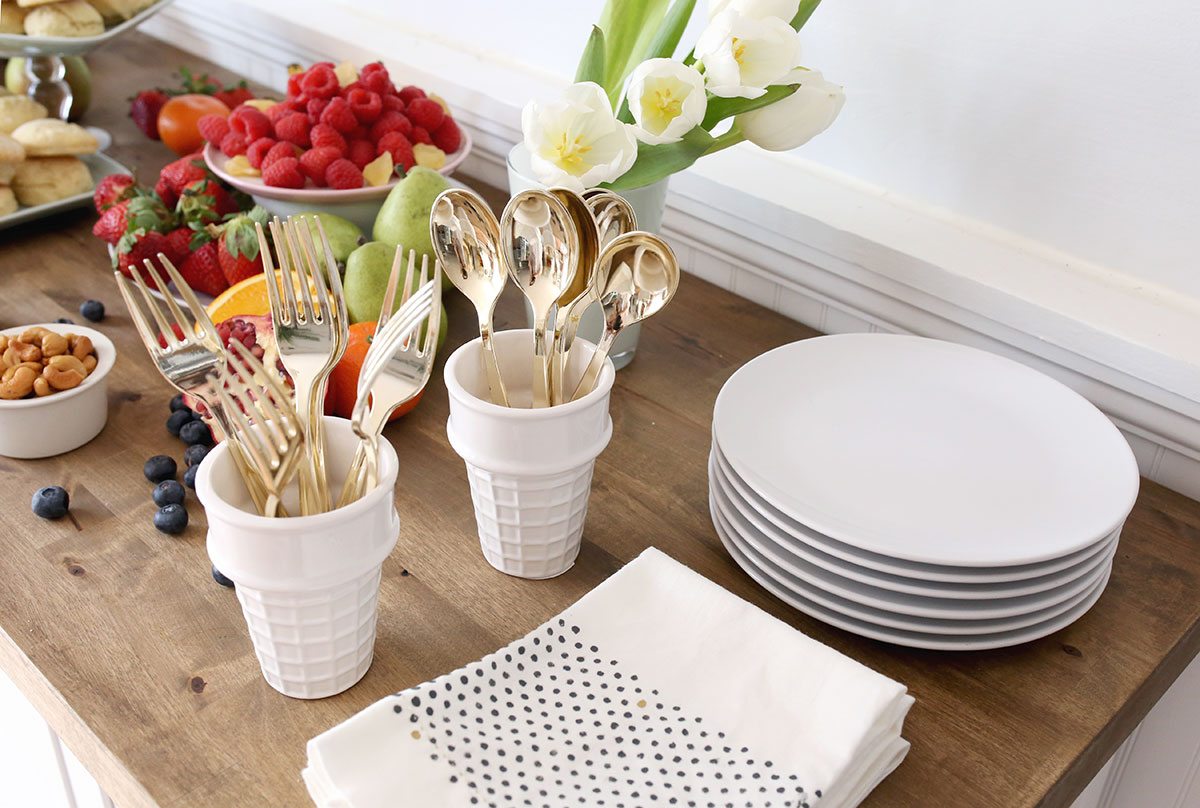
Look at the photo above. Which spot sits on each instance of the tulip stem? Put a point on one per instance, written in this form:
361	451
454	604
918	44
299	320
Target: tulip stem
730	138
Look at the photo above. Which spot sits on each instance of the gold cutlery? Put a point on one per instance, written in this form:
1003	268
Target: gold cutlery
614	216
577	297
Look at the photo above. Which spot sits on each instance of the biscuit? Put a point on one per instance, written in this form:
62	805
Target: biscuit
10	150
70	18
51	137
16	110
8	201
12	18
7	170
114	11
40	180
33	3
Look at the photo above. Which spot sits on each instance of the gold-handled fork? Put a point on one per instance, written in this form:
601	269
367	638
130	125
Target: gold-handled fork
311	329
263	420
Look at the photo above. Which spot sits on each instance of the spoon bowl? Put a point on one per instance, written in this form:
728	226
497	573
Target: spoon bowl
613	214
578	296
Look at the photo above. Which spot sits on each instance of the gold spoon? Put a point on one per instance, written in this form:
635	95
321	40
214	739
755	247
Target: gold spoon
540	243
636	275
613	214
466	238
577	297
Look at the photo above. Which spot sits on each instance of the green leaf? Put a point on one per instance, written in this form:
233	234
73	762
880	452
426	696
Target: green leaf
671	31
591	64
721	108
655	162
807	7
629	26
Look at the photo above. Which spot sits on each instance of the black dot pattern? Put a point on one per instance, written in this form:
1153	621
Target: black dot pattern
551	722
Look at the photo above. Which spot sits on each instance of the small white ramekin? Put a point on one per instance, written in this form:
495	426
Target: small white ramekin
63	421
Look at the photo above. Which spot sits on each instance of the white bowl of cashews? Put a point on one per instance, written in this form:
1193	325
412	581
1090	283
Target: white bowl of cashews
63	402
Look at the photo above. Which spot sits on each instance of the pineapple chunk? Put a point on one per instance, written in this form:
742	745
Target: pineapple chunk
346	73
378	171
262	104
429	156
239	166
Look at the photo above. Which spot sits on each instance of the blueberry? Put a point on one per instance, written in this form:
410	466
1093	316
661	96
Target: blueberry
178	418
177	402
196	432
220	578
92	310
67	320
168	492
189	476
51	502
171	519
193	454
159	468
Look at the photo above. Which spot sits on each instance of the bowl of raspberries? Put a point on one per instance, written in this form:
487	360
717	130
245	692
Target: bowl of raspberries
341	137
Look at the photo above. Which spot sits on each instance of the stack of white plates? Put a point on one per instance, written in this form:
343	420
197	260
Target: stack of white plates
916	491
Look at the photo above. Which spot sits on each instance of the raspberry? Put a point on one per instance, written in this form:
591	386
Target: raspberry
375	78
448	137
343	174
339	115
314	162
390	122
314	108
324	135
283	173
410	92
361	152
293	84
399	147
259	149
213	128
319	82
233	144
360	132
250	123
277	111
425	113
365	104
421	135
294	129
393	102
280	151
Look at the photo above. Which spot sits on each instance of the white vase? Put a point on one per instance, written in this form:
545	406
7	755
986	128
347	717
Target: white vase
648	202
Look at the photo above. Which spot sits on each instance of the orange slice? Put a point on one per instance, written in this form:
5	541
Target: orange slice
248	297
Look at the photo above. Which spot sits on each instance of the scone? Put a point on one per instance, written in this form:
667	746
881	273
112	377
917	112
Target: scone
70	18
114	11
51	137
40	180
7	172
8	201
16	110
10	150
32	3
12	18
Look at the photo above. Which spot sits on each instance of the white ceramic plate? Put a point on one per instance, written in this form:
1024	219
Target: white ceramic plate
799	558
911	639
925	450
100	166
19	44
874	561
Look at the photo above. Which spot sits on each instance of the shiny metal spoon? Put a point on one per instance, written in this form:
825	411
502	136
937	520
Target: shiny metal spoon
637	274
613	214
539	241
466	238
578	296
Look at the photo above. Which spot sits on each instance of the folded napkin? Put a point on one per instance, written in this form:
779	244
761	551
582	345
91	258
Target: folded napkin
657	688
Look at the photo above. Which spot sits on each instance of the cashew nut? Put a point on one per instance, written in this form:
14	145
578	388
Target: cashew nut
36	367
41	387
66	362
3	342
53	344
89	363
62	379
82	347
22	352
34	334
19	386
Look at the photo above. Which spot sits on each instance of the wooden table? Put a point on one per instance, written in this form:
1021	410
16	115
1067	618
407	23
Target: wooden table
142	664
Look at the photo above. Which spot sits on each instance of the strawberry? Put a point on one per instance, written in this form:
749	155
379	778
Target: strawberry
202	270
237	247
144	212
111	190
112	224
234	96
144	107
179	243
202	202
134	248
178	175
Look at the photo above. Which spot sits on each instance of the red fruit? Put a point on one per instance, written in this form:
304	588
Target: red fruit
283	173
325	136
339	115
314	108
257	150
139	214
250	123
400	148
178	175
179	244
213	128
343	174
277	111
233	144
293	84
279	151
112	224
237	248
421	135
407	94
360	132
393	102
175	328
425	113
374	77
294	129
234	96
144	108
202	270
204	201
391	122
365	104
319	81
448	137
111	190
361	152
134	248
315	161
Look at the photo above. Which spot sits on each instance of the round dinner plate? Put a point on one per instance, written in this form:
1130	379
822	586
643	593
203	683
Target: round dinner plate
874	561
911	639
799	558
926	451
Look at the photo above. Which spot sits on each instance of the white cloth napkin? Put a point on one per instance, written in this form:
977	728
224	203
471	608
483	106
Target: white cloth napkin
657	688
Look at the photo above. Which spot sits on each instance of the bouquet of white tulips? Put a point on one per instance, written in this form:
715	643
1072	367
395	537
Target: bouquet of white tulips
635	114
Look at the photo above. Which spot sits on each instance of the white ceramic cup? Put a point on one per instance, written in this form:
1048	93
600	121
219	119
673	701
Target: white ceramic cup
62	421
308	585
530	470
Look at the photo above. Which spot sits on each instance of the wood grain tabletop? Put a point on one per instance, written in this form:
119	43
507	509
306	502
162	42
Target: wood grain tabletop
143	665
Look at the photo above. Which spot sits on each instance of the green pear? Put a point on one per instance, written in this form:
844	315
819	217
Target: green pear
79	77
404	218
367	271
344	235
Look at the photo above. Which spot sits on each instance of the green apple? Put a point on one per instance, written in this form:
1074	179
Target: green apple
79	77
344	235
367	271
404	218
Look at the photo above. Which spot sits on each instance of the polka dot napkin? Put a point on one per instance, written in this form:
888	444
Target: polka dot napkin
657	688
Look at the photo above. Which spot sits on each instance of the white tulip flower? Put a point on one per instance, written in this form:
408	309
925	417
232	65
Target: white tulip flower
757	9
667	100
742	55
797	119
576	141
